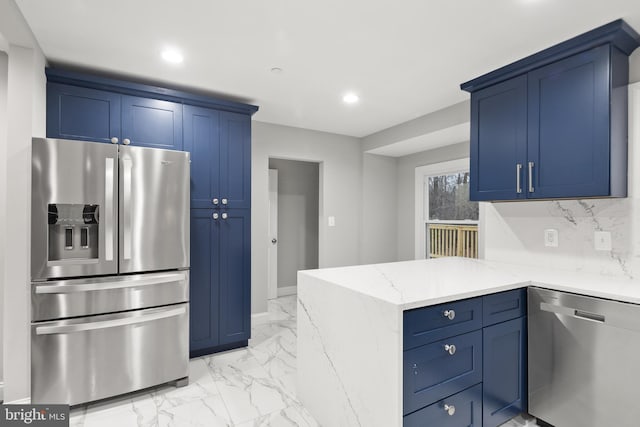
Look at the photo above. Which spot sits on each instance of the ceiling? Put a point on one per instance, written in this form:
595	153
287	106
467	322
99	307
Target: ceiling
404	59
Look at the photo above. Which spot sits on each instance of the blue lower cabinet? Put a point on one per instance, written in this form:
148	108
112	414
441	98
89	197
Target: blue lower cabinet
220	295
505	371
441	369
463	409
503	306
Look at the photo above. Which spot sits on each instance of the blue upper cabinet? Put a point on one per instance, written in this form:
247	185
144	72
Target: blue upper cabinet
554	125
499	141
151	123
202	140
235	159
82	113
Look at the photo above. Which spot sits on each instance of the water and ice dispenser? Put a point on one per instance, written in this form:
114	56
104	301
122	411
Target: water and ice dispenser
73	231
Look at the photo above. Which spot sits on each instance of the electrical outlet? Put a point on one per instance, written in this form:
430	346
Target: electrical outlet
332	221
551	238
602	240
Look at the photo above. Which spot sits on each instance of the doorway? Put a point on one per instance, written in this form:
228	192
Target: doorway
294	194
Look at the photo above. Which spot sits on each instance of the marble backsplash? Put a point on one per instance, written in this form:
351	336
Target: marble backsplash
514	232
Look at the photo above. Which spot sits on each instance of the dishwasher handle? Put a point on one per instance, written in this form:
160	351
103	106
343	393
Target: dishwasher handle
572	312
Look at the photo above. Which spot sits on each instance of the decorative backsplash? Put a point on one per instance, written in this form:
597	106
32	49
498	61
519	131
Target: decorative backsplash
514	232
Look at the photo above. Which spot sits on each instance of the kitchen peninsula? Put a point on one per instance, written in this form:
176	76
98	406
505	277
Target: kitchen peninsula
351	324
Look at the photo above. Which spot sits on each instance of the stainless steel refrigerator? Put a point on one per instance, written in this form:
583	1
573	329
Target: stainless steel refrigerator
109	269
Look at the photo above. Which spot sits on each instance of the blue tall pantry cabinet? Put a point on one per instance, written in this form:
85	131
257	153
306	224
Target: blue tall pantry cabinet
217	133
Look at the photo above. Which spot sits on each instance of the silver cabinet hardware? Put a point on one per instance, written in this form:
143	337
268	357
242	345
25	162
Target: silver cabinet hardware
531	165
225	201
450	409
215	215
114	140
126	141
450	348
215	201
274	240
450	314
225	215
518	174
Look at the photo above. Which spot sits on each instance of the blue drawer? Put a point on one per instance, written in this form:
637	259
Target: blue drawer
466	412
504	306
432	371
429	324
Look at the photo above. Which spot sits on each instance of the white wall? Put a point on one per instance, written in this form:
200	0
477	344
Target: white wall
4	64
634	67
379	201
298	196
406	191
24	118
340	160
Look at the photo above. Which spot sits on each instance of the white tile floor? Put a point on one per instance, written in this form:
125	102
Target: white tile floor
250	387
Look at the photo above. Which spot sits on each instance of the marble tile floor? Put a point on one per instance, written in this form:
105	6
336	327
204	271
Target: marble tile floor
249	387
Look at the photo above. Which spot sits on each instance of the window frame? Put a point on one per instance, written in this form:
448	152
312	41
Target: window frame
422	173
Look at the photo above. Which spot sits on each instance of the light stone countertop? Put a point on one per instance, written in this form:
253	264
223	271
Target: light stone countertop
420	283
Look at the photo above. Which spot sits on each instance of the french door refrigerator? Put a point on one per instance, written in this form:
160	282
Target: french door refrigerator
109	269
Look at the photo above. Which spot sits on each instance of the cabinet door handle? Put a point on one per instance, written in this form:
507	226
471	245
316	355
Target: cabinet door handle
215	215
518	174
114	140
126	141
531	165
450	409
225	201
449	314
224	215
450	348
215	201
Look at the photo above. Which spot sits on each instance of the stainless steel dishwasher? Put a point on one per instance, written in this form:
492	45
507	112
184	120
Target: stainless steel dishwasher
584	360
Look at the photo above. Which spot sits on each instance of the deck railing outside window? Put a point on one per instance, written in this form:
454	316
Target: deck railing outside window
452	240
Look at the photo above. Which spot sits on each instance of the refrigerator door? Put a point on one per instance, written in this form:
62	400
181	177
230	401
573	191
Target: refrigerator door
74	208
154	209
89	358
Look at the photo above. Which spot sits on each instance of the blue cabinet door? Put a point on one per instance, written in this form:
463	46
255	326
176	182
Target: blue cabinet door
235	159
462	410
202	140
504	306
569	119
235	275
204	287
499	141
152	123
80	113
505	371
441	369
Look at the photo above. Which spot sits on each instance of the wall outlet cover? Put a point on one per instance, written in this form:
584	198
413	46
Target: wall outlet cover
551	238
602	240
332	221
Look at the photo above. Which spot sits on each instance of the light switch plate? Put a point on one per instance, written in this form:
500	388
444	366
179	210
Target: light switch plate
551	238
602	240
332	221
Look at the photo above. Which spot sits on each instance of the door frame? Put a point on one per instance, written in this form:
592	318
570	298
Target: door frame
272	259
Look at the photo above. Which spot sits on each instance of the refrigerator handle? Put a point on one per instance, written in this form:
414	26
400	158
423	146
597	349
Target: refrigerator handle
108	215
90	326
104	286
126	208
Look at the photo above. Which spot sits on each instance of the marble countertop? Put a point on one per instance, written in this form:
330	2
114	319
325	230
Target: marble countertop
420	283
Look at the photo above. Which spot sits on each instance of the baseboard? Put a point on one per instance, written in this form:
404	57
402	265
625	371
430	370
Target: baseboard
260	318
1	392
287	290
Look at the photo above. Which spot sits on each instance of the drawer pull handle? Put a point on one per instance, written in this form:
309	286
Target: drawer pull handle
450	348
449	314
450	409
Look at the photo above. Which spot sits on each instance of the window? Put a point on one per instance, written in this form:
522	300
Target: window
446	221
451	219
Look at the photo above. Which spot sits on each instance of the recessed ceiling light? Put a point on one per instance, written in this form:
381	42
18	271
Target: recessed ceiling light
172	55
276	70
351	98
